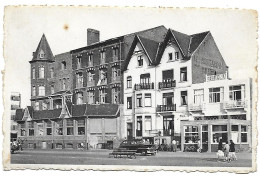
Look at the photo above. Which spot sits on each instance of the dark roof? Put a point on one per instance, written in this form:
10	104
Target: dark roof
43	45
61	92
150	48
19	114
46	114
101	110
30	109
77	110
196	39
183	40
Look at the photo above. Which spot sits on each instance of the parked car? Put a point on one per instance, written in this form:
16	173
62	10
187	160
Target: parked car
140	146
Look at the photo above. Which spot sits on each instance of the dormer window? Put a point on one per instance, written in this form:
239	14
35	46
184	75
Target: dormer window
140	60
170	56
176	55
41	54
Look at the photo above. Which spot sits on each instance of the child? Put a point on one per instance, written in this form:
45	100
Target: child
226	151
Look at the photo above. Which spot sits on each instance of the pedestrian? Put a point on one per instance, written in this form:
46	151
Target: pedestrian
220	153
232	151
199	146
174	145
226	151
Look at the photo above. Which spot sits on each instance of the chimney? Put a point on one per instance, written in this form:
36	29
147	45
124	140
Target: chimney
92	36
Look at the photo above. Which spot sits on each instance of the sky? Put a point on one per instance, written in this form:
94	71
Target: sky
234	32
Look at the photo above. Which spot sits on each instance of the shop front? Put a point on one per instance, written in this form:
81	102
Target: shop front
207	133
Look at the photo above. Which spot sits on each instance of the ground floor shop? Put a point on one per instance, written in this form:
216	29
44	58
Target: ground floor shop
207	134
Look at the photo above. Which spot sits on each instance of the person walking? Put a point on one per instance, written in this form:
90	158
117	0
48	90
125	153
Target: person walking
232	151
220	153
199	146
226	151
174	145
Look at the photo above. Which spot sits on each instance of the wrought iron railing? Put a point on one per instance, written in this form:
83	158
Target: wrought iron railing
164	108
144	86
167	84
234	104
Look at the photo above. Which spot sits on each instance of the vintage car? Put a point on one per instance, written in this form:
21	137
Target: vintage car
140	146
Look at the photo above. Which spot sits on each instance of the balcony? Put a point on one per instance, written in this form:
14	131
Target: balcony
234	104
115	79
144	86
195	107
166	108
167	84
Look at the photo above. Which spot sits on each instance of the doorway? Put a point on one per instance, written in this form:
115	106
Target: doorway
204	138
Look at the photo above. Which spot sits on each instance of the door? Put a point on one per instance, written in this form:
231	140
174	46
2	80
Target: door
129	130
204	138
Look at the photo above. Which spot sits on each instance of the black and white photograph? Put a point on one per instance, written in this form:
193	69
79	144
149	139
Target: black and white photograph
130	88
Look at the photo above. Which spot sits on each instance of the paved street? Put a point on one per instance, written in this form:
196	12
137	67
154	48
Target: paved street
101	157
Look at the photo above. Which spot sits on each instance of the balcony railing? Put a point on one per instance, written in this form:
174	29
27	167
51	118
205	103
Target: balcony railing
195	107
216	77
144	86
233	104
165	108
167	84
115	79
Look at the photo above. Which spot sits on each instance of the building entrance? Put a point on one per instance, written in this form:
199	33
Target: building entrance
204	138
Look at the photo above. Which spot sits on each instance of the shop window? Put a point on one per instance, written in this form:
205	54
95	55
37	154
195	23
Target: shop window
129	82
81	127
59	127
216	95
176	55
129	102
139	100
33	73
236	92
39	129
49	128
148	123
139	126
31	128
243	134
198	97
184	98
41	72
183	74
219	132
191	134
147	100
41	90
140	60
69	127
170	56
91	97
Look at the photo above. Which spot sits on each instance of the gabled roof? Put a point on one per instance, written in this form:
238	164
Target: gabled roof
150	48
183	40
196	40
43	46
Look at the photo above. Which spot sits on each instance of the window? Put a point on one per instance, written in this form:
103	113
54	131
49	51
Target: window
81	127
183	74
49	127
184	98
79	82
102	57
235	133
191	134
219	132
139	126
129	82
40	129
31	128
168	125
91	97
115	53
51	72
23	131
33	91
167	75
90	77
78	62
198	96
237	92
79	96
63	84
102	95
63	65
148	123
59	127
147	100
36	105
44	105
41	72
102	77
115	95
139	100
140	60
170	56
129	102
168	98
243	134
216	95
115	74
90	60
176	55
145	78
41	54
69	127
52	89
41	90
33	73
